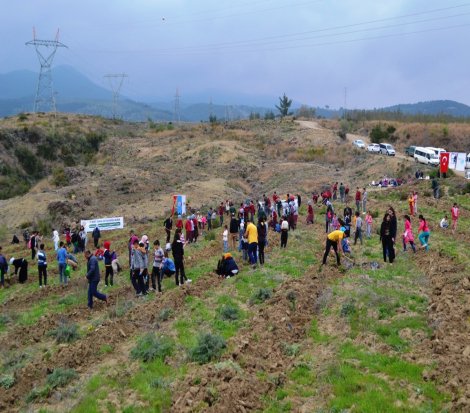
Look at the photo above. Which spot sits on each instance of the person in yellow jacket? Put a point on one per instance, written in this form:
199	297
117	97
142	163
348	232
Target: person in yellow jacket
251	233
334	240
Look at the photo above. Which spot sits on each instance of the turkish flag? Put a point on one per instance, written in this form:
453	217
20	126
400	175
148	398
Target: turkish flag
444	162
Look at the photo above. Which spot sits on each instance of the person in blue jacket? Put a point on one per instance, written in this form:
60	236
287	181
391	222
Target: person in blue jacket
93	277
227	267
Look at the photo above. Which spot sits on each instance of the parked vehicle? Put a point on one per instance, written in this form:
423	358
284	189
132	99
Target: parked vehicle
426	156
467	164
359	143
410	150
373	147
437	151
387	149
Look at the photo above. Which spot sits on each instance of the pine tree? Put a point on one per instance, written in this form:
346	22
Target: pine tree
284	105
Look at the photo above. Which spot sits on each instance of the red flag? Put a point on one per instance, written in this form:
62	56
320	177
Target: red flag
444	161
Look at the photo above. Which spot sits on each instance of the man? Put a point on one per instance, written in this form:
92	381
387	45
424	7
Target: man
209	219
168	224
96	235
364	200
341	192
137	269
234	228
358	200
3	268
251	234
221	213
93	277
62	261
334	239
435	188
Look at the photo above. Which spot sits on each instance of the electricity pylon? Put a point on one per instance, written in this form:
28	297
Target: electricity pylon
177	107
116	88
45	100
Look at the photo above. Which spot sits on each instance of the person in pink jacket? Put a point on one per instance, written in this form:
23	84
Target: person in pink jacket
408	237
455	216
423	233
369	221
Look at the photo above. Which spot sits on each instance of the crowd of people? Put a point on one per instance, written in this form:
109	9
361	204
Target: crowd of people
244	229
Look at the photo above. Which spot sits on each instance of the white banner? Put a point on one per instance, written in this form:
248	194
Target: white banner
453	160
104	224
461	161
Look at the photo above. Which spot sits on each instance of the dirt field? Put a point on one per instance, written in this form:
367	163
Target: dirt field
294	336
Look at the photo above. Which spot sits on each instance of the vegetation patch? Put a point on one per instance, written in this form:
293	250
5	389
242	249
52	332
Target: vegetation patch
209	347
149	347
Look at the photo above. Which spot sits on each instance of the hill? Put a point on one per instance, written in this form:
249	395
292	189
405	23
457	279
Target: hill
288	335
434	107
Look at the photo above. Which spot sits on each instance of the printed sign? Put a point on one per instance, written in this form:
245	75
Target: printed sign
461	160
179	205
104	224
453	160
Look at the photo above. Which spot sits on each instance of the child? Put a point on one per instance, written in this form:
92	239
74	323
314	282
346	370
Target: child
42	266
444	224
369	221
109	274
423	232
411	203
157	264
225	238
284	232
346	246
358	227
455	216
408	234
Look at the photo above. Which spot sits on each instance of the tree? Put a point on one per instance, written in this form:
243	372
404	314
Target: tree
269	115
284	105
306	112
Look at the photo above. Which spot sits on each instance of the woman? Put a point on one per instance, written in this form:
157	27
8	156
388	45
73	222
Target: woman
284	232
423	233
310	216
408	237
387	239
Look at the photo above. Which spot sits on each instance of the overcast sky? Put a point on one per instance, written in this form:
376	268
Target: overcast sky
383	51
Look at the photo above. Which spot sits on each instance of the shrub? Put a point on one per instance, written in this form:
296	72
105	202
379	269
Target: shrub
290	350
29	161
7	381
3	232
229	312
466	189
61	377
44	225
38	393
22	116
65	333
165	314
348	309
210	236
159	383
261	296
58	176
209	347
150	347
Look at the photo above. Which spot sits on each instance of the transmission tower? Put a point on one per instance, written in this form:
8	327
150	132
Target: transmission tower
116	81
177	107
45	50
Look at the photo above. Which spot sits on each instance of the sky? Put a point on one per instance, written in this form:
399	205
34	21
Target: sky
340	53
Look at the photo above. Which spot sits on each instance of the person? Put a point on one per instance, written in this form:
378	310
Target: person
130	244
3	268
177	248
227	267
251	234
284	231
346	246
408	237
93	277
364	200
157	266
262	238
358	228
55	239
444	224
108	264
96	235
387	239
411	202
310	216
328	218
415	203
225	237
33	241
334	240
168	266
26	236
393	224
455	212
221	213
369	221
42	266
335	191
234	228
423	233
435	188
358	199
188	226
83	239
168	225
137	269
21	268
341	192
15	240
209	219
62	261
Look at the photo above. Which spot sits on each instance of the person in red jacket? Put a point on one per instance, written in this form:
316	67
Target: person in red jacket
188	226
455	216
310	215
358	200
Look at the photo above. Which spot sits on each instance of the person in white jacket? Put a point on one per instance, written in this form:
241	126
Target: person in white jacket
56	239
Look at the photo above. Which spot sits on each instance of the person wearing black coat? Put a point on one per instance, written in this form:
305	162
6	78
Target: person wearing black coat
177	248
93	277
386	237
21	269
262	235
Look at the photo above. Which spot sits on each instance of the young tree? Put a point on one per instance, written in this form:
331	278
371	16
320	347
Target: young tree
284	105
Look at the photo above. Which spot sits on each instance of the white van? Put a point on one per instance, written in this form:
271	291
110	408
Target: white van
467	164
426	156
437	151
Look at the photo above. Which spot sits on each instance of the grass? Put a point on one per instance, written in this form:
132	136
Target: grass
65	333
150	347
